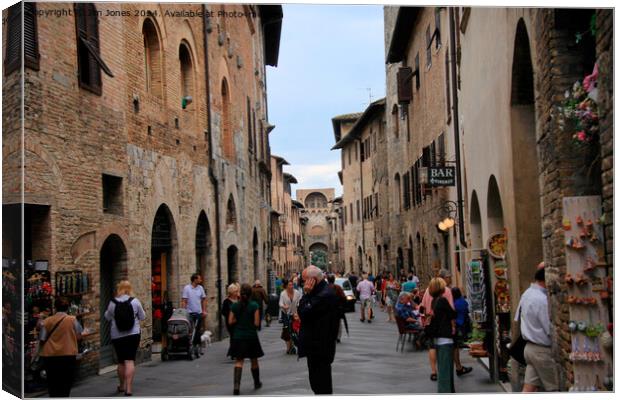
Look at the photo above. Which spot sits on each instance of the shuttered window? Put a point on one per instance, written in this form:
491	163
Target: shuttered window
441	143
90	63
417	71
428	47
437	33
12	57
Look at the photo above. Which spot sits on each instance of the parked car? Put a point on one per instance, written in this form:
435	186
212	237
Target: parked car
348	291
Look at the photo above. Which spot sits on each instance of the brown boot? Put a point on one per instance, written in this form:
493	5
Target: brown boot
238	371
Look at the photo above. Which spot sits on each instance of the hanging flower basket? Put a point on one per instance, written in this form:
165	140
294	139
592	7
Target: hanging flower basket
580	111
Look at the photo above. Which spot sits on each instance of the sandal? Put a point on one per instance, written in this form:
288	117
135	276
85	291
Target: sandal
463	371
433	377
119	389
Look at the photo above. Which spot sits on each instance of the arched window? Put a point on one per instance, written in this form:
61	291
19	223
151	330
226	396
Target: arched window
152	59
187	74
316	200
228	144
231	213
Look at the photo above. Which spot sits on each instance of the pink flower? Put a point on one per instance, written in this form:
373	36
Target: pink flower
581	136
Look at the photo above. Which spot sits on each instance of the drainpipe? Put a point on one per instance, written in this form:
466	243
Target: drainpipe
457	141
212	177
359	140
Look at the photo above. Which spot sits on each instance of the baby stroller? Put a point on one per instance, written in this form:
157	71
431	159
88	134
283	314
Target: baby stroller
180	335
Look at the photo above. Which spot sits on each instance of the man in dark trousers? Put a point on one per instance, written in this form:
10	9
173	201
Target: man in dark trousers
318	311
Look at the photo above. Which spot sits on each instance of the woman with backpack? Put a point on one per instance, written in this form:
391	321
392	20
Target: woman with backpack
245	317
125	312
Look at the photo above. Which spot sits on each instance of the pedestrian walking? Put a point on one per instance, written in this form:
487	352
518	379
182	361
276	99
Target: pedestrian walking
379	289
353	281
441	330
245	317
427	310
232	298
392	289
59	347
125	312
318	311
259	295
194	300
366	290
289	300
342	303
463	329
541	372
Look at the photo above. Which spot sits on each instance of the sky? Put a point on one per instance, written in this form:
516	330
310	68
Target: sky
329	57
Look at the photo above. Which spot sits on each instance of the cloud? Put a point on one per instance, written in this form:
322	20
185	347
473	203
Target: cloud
318	176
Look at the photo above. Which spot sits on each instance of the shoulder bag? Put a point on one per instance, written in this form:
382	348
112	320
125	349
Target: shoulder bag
517	346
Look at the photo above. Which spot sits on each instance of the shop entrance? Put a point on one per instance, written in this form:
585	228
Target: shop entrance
113	268
163	247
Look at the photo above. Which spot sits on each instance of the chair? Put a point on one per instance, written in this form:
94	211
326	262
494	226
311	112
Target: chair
404	333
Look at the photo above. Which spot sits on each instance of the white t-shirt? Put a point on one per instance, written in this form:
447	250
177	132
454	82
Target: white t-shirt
194	296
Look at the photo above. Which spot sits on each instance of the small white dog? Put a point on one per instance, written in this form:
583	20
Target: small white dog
205	339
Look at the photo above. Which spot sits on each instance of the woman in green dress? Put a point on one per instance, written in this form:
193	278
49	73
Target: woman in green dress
245	317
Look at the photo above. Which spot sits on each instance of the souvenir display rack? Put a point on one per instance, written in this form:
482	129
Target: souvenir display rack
38	304
11	330
498	245
589	292
480	299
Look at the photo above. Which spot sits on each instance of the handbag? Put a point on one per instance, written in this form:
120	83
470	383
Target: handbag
517	347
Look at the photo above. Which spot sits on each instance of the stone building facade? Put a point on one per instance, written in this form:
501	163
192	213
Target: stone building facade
361	189
317	229
286	225
520	154
419	134
146	151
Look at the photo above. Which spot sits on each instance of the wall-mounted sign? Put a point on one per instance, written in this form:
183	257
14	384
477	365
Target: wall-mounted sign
441	176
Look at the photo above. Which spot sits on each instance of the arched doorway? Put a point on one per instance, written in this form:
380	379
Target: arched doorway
232	260
163	267
320	255
360	259
400	261
527	234
410	262
255	255
495	212
203	245
112	269
379	258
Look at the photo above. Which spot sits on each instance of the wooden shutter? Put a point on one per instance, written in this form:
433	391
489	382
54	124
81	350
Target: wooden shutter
437	33
12	56
31	45
441	142
428	46
433	154
417	71
90	63
403	80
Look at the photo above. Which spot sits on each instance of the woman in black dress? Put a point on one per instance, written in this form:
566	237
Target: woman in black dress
245	317
233	297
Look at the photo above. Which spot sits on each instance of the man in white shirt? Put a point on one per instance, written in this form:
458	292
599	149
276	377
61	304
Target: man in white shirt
541	370
194	300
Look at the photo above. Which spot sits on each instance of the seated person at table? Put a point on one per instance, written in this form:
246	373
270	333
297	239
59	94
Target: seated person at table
408	311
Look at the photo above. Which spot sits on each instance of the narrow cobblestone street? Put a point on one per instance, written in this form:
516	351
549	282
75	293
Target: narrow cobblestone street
366	363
